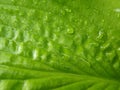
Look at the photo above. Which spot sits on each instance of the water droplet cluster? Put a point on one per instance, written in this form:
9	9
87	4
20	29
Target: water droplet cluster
57	32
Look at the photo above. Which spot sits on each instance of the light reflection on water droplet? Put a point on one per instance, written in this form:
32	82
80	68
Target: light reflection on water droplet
20	48
117	10
68	10
85	22
54	37
12	0
70	30
100	35
103	20
35	54
119	49
43	57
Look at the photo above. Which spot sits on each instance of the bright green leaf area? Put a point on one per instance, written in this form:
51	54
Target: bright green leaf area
59	45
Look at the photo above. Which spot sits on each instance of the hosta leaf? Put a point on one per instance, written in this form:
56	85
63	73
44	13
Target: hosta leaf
59	45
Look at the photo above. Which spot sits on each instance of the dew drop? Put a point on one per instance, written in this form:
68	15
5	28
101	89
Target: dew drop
2	43
70	30
85	22
68	10
62	12
54	37
46	33
13	19
12	0
101	34
35	54
117	10
16	34
116	65
50	46
103	20
20	48
119	49
43	57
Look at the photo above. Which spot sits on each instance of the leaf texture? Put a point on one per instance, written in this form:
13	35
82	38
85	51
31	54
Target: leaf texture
59	45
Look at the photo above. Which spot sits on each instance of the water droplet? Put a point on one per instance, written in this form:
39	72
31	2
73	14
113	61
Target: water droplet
35	54
117	10
54	37
12	0
16	34
30	12
68	10
2	43
116	65
45	18
62	12
50	46
20	48
13	19
85	22
119	49
100	35
46	33
70	30
43	57
103	20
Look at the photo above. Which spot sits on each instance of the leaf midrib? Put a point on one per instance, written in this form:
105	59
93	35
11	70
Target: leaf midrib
67	74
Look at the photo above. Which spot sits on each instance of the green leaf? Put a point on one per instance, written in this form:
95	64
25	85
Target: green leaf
59	45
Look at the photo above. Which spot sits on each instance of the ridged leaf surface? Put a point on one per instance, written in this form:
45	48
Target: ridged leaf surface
59	45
